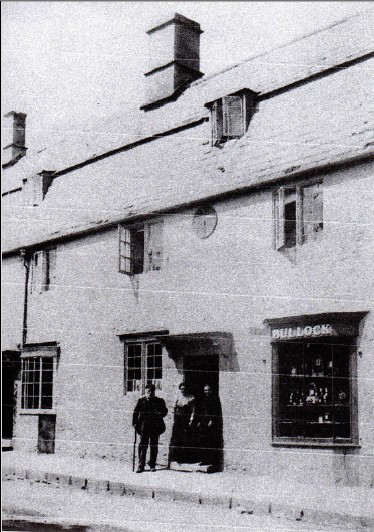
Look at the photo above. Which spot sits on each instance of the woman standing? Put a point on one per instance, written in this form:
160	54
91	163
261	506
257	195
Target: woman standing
180	449
210	426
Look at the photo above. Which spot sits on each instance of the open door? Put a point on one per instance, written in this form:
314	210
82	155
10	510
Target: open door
200	370
11	366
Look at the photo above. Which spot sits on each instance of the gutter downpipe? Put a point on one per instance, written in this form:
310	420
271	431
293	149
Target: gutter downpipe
26	264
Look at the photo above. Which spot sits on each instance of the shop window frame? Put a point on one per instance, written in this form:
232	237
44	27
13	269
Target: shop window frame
41	354
353	440
143	343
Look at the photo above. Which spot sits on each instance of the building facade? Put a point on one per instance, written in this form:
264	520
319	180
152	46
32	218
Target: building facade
231	244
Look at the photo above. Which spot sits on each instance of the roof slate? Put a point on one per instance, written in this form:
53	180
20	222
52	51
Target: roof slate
344	41
309	126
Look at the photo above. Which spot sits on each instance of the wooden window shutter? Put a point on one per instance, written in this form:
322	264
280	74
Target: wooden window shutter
125	262
36	272
216	117
233	117
48	268
279	219
312	214
154	246
36	186
299	216
44	271
52	265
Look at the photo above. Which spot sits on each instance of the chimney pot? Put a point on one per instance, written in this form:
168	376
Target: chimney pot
15	133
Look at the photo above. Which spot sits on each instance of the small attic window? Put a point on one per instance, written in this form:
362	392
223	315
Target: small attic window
230	116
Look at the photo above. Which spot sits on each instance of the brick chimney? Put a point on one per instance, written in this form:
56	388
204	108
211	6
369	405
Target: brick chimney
15	138
174	60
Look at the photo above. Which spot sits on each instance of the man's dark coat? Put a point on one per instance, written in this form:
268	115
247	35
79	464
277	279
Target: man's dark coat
148	414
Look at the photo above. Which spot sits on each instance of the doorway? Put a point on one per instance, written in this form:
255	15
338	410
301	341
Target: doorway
11	365
200	370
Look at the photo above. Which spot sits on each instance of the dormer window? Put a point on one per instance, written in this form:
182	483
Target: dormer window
35	188
230	116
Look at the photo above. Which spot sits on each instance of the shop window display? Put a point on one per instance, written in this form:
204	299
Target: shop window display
313	391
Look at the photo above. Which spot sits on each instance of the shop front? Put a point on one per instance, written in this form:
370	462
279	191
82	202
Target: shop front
314	396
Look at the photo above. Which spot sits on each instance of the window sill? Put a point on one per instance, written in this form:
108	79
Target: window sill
317	443
36	411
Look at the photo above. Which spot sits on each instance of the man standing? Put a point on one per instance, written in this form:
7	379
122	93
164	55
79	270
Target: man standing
148	422
210	426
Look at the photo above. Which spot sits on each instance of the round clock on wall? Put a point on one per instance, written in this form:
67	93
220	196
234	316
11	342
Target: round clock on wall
204	221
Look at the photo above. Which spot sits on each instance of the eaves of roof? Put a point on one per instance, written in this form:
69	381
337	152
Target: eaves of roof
99	226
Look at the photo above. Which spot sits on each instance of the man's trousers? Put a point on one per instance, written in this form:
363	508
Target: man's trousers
151	439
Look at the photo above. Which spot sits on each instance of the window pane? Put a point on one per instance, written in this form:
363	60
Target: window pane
290	218
137	250
134	372
46	401
47	383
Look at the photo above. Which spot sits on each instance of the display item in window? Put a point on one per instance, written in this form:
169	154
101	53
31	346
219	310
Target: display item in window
342	397
317	367
312	397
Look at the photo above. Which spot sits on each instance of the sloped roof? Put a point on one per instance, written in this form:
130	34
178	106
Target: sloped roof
335	45
314	124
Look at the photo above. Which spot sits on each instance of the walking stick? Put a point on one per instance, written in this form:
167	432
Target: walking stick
134	451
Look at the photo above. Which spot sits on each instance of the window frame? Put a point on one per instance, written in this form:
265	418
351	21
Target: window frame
279	201
143	342
220	119
125	236
41	353
301	441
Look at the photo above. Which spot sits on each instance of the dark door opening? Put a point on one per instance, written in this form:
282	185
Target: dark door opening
11	366
46	433
200	370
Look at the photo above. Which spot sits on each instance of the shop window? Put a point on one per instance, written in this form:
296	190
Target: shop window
230	116
143	365
314	391
298	214
140	248
42	270
37	382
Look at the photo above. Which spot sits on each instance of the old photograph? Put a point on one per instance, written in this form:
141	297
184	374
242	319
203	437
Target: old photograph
187	266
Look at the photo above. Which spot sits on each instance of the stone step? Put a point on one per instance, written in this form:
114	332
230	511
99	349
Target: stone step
6	444
190	468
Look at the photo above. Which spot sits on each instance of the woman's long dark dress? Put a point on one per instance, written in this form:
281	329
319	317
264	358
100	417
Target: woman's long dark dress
210	423
180	449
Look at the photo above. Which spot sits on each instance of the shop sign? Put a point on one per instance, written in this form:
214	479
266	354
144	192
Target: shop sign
309	331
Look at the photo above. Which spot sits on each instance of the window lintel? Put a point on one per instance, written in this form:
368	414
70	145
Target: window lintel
241	92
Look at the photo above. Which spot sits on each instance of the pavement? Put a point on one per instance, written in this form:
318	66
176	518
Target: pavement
340	505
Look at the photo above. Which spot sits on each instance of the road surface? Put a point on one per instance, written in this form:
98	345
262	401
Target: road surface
39	507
